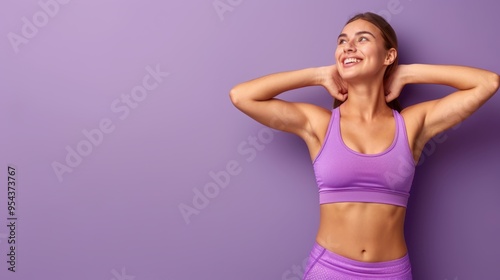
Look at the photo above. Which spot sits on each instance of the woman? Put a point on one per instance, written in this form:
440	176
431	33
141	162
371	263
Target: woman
364	151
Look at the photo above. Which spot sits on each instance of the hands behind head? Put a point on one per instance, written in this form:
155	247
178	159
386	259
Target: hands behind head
333	83
337	87
394	84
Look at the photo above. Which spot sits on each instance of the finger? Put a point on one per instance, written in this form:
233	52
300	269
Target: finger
341	88
389	97
336	93
341	96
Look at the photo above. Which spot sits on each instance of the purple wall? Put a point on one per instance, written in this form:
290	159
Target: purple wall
116	116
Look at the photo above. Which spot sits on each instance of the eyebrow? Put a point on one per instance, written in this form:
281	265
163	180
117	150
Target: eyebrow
357	34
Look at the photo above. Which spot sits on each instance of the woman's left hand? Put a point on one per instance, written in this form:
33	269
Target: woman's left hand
395	83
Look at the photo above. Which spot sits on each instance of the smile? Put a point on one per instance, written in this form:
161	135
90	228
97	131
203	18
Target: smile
351	60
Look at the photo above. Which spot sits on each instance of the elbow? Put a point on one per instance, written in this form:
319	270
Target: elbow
241	97
233	96
238	97
490	83
495	82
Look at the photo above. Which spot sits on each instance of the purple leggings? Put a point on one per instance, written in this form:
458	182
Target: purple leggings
325	265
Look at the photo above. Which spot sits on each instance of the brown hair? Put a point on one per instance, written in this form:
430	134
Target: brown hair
390	40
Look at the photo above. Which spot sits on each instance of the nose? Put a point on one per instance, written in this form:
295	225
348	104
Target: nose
349	48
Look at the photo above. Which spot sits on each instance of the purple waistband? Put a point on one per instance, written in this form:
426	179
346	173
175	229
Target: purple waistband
351	267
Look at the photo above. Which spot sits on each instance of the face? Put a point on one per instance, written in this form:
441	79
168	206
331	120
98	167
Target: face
360	52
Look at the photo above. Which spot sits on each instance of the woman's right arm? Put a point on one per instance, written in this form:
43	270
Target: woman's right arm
257	98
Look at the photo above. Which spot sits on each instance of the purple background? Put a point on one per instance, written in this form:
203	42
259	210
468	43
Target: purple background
116	215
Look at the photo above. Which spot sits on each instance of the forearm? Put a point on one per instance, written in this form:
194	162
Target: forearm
459	77
269	86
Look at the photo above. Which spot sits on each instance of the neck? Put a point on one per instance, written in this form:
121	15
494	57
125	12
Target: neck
366	100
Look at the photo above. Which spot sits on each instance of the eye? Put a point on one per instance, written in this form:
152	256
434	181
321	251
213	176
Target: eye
342	41
362	39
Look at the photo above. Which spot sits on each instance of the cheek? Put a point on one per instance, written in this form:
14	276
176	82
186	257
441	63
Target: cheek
374	54
380	52
337	54
368	49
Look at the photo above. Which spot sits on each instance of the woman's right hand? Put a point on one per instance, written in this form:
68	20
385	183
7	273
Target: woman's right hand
330	79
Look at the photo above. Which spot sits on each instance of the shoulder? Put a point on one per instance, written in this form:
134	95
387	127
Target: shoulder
414	118
414	115
318	119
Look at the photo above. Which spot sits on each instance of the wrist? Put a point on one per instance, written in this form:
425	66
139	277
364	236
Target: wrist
322	74
407	74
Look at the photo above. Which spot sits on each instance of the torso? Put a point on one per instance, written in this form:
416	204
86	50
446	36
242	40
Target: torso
370	232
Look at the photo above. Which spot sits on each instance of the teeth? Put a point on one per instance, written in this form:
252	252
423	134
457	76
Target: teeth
351	60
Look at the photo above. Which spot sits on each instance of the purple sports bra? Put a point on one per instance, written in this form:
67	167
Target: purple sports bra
343	174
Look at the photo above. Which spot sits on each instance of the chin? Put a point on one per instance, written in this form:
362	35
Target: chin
349	77
356	76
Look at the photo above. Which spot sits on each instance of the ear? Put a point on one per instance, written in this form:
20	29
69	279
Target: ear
391	56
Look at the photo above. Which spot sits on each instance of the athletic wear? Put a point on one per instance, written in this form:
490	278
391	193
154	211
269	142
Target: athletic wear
327	265
343	174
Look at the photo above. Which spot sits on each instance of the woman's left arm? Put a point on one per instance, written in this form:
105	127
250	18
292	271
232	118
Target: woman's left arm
475	86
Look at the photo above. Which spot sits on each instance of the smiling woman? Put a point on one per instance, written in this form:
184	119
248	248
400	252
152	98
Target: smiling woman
390	43
365	149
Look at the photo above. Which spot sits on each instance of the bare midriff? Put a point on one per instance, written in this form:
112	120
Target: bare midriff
369	232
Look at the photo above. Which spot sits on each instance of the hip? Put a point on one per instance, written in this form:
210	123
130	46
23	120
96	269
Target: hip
323	264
